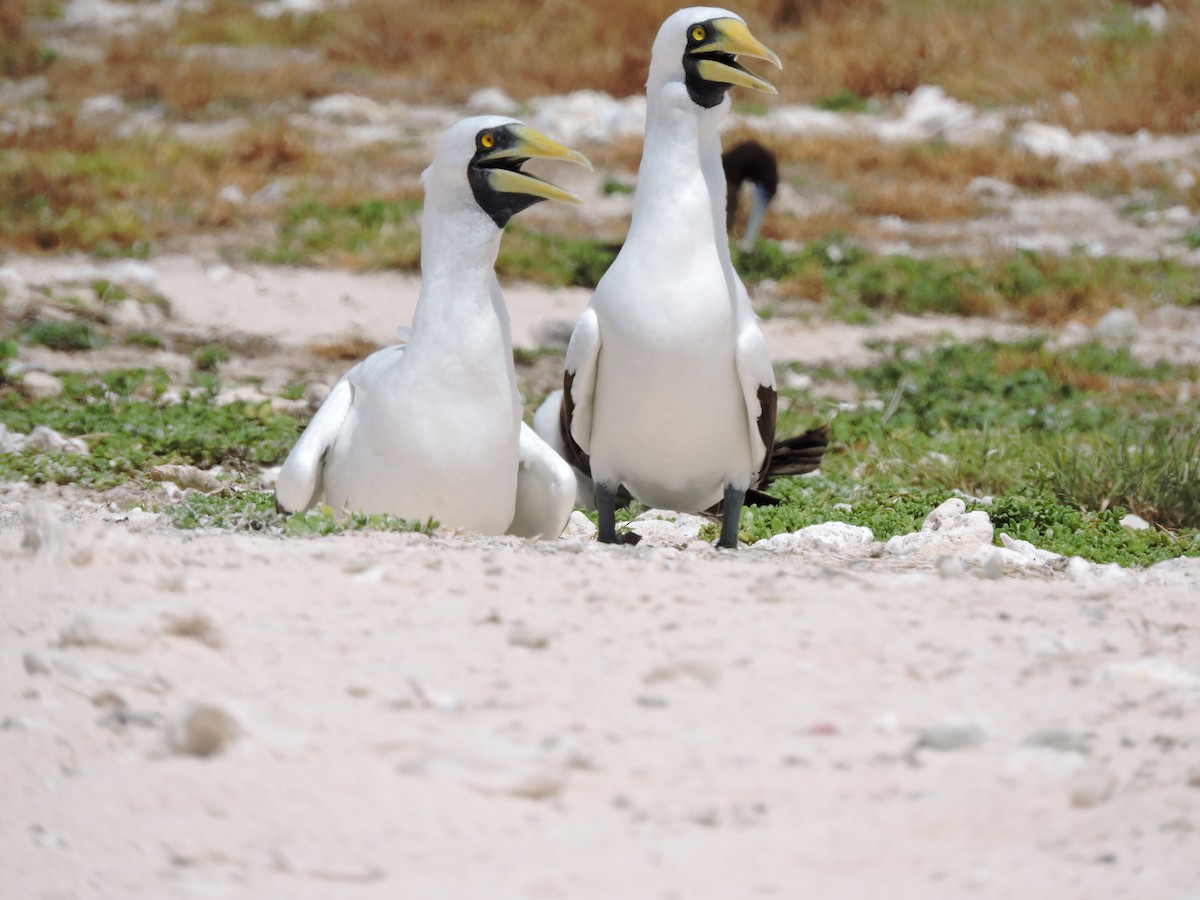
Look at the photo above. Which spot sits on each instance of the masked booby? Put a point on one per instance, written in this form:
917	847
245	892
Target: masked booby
432	428
749	163
668	389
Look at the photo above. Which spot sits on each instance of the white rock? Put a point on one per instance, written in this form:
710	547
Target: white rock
10	280
40	385
1184	570
349	108
130	271
47	440
1156	671
808	120
947	530
270	194
993	566
797	381
10	441
491	101
232	194
984	187
1023	553
951	566
583	116
667	527
826	536
1118	327
220	273
1136	523
929	113
273	9
1055	141
43	526
1153	17
101	109
579	526
131	315
1179	216
1080	571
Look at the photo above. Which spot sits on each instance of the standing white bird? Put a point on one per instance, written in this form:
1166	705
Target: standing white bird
432	428
669	389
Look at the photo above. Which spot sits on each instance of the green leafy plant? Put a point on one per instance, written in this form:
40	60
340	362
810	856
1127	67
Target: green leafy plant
70	336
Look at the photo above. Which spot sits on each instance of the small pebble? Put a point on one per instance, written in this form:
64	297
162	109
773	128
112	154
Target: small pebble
951	567
187	477
36	663
527	636
195	625
203	730
1092	787
994	567
949	736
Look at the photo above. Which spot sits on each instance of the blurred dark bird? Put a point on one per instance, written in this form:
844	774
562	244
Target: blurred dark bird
749	163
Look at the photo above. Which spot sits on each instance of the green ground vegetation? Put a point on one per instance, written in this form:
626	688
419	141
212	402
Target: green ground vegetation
128	430
255	511
853	283
848	281
1056	444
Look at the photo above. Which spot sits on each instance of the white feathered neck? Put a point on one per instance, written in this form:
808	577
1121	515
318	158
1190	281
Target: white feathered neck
681	184
459	245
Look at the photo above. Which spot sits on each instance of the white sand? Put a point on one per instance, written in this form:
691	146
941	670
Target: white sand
471	718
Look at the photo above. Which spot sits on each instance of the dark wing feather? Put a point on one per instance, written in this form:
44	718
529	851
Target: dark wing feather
574	453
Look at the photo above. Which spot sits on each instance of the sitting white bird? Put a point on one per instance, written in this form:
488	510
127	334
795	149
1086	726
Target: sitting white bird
668	390
432	428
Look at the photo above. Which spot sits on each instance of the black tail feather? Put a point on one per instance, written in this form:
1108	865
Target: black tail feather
797	455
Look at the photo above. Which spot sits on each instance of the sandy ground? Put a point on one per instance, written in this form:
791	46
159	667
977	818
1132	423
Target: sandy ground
223	715
398	716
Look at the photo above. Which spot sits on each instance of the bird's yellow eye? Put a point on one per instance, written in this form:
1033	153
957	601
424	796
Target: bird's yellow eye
487	140
698	33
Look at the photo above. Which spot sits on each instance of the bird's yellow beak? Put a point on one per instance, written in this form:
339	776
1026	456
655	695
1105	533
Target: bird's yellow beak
503	164
731	36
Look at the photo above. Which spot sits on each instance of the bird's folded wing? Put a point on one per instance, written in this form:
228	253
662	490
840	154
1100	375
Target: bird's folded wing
545	489
300	480
583	353
758	388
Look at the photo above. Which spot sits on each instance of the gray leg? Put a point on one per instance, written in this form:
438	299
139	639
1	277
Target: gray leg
606	510
732	516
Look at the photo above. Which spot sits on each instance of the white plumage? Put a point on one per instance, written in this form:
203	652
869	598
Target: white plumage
432	428
668	373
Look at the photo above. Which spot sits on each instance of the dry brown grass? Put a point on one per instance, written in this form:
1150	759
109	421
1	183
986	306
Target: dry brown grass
928	181
147	67
20	54
69	186
1031	52
344	349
